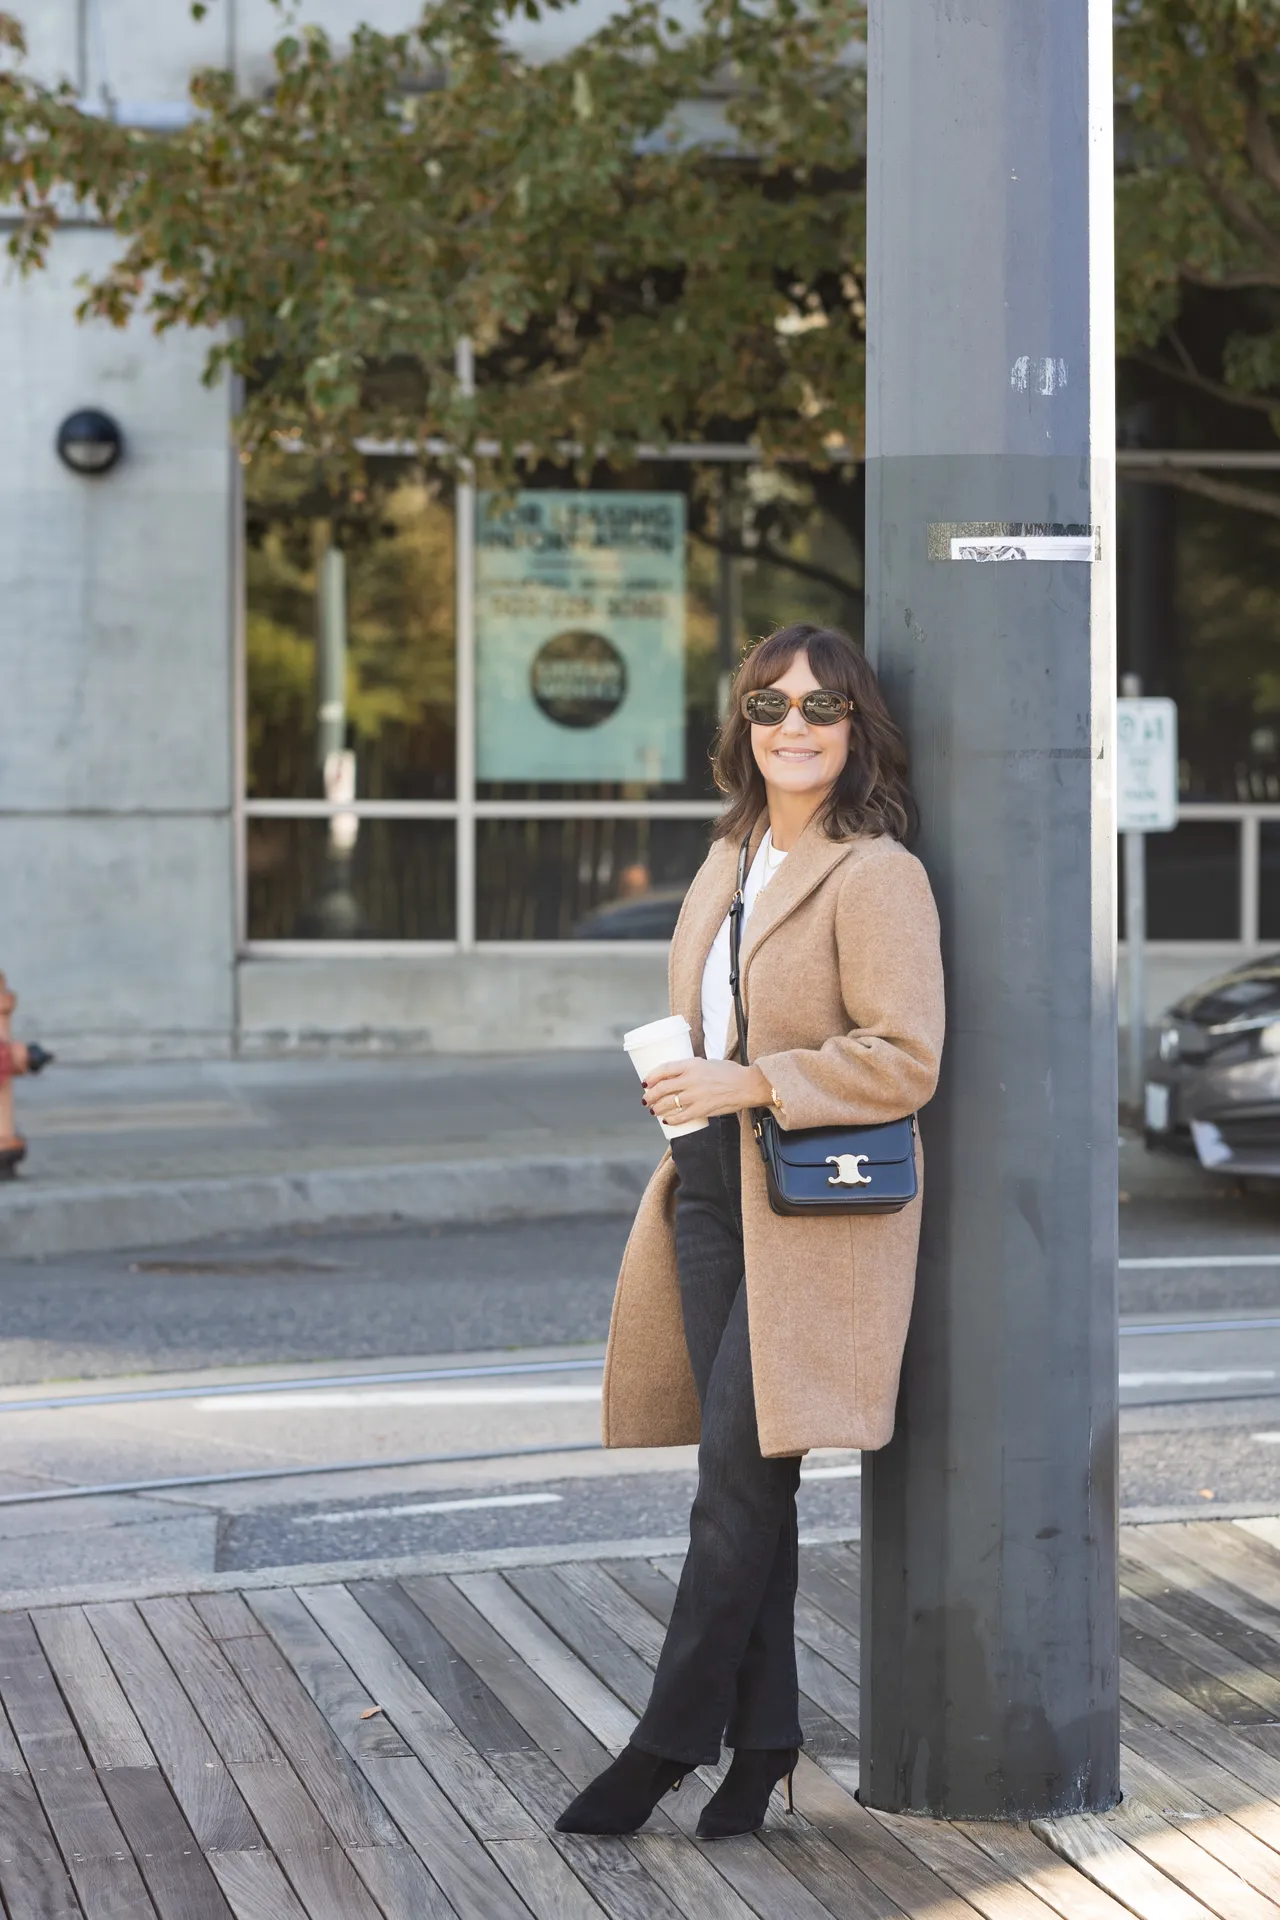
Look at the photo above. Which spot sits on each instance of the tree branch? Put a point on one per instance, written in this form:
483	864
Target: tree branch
1228	493
1247	223
738	550
1254	402
1260	142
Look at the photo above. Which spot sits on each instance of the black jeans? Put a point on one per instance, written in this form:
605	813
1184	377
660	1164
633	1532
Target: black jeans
728	1664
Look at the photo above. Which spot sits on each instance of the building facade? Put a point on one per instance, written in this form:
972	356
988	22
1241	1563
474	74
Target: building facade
437	774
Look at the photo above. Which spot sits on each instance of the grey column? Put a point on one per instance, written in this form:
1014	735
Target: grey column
989	1683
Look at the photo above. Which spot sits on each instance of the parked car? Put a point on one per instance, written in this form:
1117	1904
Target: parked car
647	916
1215	1088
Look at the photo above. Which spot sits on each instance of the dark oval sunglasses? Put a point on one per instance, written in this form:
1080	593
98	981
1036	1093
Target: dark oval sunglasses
821	708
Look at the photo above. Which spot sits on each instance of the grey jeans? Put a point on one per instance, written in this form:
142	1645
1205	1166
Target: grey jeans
728	1664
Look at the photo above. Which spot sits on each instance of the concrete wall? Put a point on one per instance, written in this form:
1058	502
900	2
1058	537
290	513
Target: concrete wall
495	1002
116	923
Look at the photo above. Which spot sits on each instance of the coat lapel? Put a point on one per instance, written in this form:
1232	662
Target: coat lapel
707	903
806	867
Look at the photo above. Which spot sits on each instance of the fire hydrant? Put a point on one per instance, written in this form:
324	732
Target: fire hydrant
15	1059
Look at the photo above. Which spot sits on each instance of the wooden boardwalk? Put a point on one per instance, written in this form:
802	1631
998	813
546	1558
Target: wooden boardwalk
401	1748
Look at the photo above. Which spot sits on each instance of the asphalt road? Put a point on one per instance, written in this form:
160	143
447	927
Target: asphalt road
523	1311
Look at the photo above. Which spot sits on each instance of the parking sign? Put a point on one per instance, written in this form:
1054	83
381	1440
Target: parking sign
1146	766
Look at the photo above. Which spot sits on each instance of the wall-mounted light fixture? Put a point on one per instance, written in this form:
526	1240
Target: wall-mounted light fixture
90	442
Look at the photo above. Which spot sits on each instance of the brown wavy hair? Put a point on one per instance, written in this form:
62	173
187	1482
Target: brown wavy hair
871	794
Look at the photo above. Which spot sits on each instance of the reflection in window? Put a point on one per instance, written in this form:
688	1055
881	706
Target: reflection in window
585	879
1193	882
340	879
349	633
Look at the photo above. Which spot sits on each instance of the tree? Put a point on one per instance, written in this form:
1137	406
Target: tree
1198	209
656	236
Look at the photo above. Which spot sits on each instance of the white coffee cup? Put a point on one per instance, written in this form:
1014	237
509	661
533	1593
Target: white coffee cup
658	1045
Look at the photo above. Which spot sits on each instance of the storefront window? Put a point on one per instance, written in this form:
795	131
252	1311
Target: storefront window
350	879
608	619
349	637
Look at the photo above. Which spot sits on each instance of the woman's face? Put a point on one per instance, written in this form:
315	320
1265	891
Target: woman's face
793	756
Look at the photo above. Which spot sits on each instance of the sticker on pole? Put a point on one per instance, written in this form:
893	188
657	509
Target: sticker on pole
1146	766
1003	540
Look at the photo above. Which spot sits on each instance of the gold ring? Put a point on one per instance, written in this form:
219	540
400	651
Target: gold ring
677	1100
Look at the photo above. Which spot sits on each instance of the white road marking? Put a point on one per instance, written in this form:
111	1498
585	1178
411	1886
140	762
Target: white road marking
433	1506
1161	1261
325	1402
1196	1377
832	1473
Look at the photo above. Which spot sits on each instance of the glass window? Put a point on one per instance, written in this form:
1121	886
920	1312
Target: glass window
1199	600
610	617
341	879
1269	880
584	879
349	632
1193	882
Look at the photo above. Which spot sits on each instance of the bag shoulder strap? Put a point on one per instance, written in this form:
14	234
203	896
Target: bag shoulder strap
737	911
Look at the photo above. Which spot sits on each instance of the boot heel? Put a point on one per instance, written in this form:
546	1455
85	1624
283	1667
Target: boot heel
787	1792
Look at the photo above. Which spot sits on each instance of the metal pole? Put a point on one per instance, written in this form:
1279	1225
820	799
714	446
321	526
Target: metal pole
331	728
464	509
1135	937
989	1677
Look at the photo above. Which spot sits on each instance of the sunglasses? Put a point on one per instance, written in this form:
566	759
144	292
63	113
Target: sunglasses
821	708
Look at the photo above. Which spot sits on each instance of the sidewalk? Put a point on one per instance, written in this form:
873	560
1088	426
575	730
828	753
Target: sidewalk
155	1154
149	1155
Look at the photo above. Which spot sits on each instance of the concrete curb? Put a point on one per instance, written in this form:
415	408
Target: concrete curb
329	1572
43	1221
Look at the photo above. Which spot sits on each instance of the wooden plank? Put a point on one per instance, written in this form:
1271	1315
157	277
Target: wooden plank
632	1622
688	1878
966	1868
326	1677
1202	1777
201	1784
1206	1652
835	1643
175	1870
459	1771
544	1881
1232	1551
226	1616
33	1878
646	1584
323	1878
594	1641
1022	1856
528	1699
1178	1570
1151	1653
834	1880
460	1864
472	1707
101	1866
834	1692
823	1587
255	1887
1120	1850
1149	1785
831	1808
315	1753
108	1725
574	1685
539	1785
237	1728
764	1883
1238	1757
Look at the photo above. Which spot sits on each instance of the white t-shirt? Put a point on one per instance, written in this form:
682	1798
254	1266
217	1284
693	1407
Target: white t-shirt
717	1000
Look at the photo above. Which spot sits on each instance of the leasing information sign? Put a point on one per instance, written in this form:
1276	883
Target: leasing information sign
580	629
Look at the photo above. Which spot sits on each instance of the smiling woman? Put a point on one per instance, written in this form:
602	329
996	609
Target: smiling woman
757	1335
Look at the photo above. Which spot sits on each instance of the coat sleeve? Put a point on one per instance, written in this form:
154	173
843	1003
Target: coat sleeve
887	946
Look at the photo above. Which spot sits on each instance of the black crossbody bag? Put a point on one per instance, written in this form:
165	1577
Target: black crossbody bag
874	1167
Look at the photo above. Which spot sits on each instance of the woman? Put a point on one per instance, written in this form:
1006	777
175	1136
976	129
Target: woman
761	1334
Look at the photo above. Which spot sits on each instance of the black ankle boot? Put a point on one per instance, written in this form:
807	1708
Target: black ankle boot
739	1802
622	1797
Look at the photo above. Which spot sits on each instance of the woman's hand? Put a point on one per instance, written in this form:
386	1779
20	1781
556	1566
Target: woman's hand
700	1089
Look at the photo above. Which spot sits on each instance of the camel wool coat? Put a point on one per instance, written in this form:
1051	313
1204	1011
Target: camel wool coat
842	983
